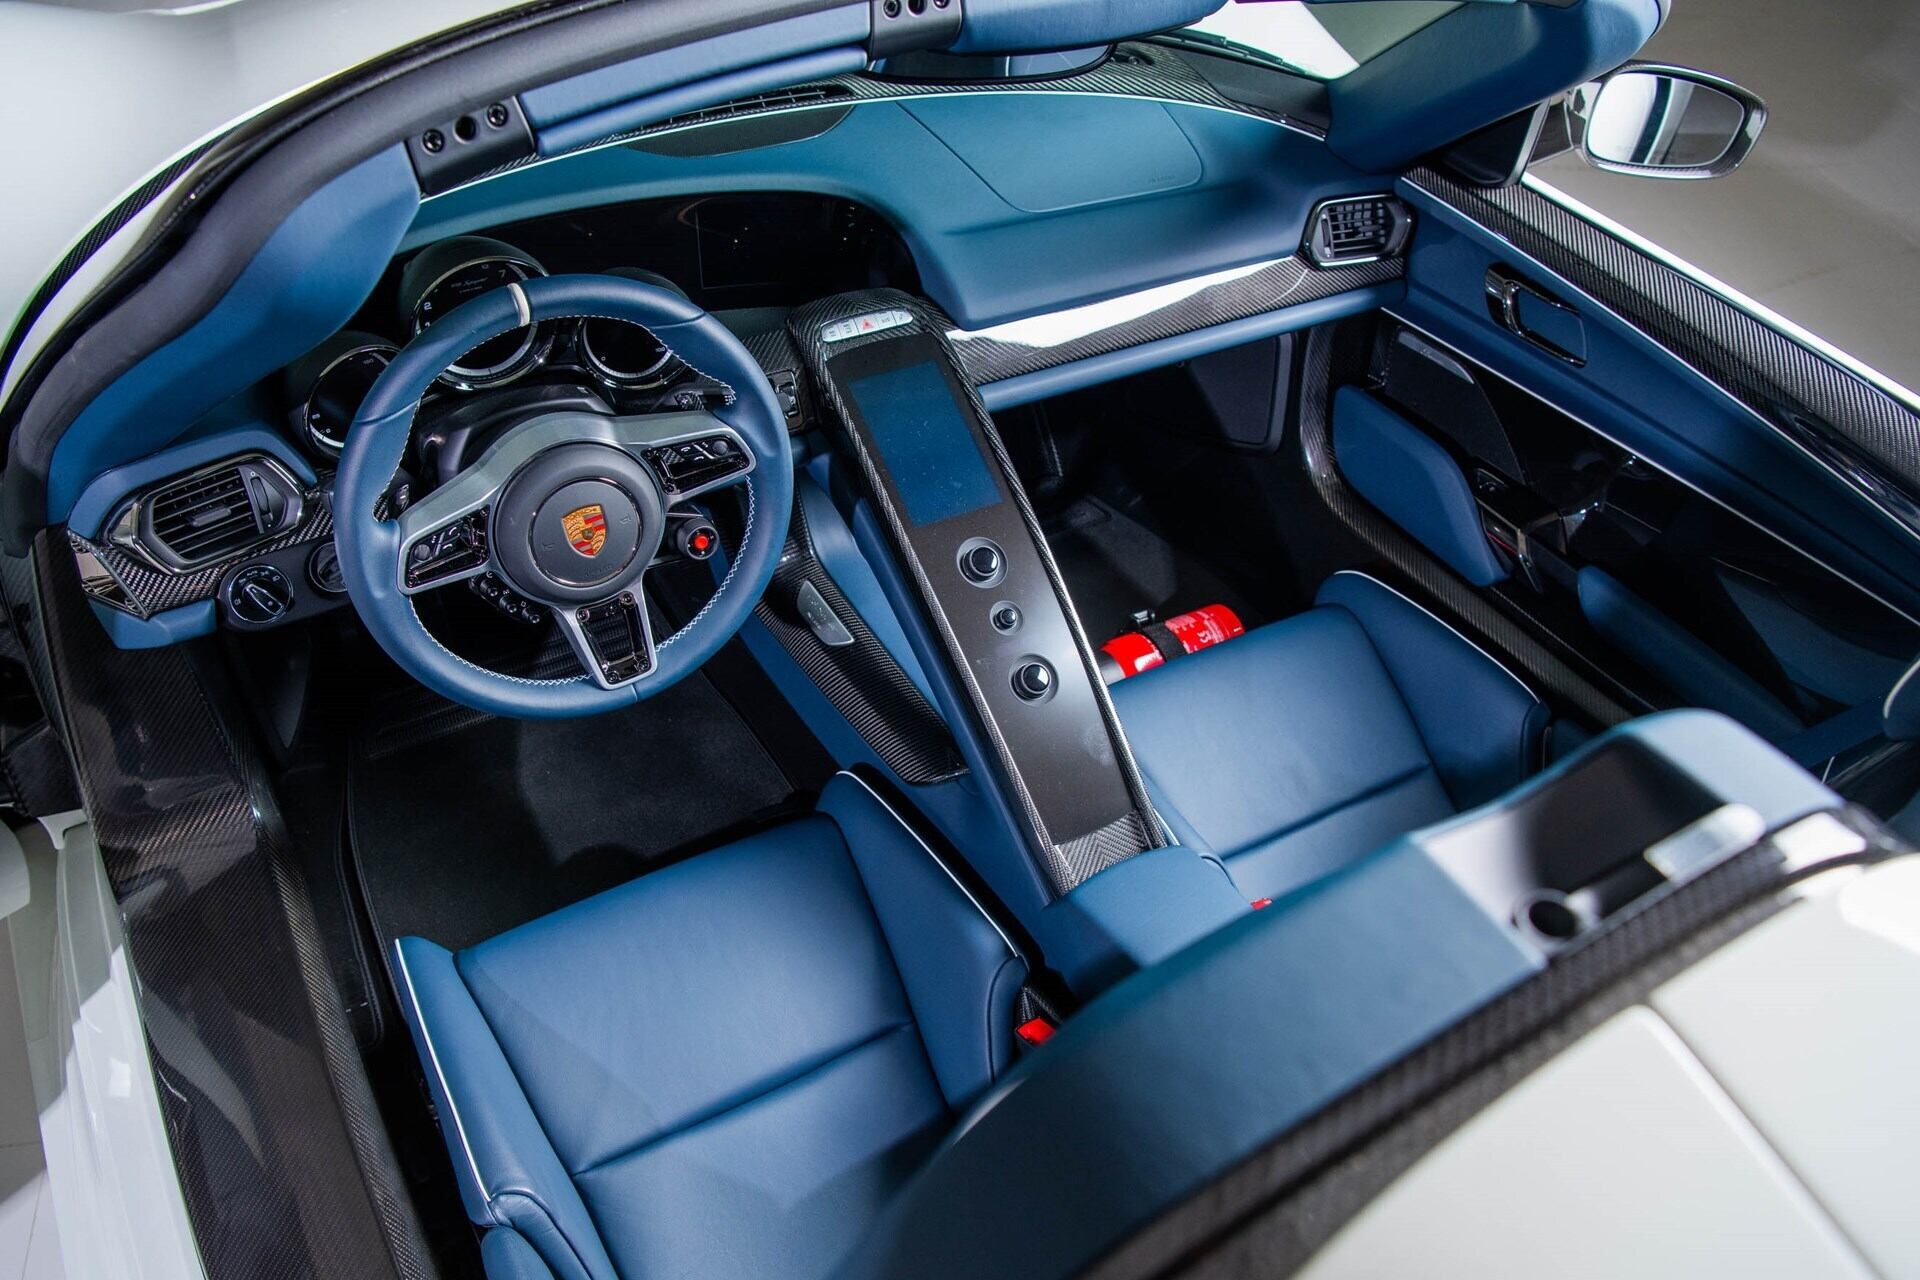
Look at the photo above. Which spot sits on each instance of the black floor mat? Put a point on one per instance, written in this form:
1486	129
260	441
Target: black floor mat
1116	566
464	827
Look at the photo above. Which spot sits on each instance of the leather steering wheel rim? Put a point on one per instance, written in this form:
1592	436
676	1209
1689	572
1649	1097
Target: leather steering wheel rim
371	547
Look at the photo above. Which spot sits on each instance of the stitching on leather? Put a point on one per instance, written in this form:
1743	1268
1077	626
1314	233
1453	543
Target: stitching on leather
727	387
937	860
1462	636
426	1036
733	567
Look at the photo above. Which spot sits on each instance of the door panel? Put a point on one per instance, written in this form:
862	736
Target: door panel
1681	378
1673	593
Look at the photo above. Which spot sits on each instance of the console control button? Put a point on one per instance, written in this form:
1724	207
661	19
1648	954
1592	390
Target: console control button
982	562
448	552
693	464
696	539
490	588
323	570
872	322
819	616
1006	617
1033	680
259	595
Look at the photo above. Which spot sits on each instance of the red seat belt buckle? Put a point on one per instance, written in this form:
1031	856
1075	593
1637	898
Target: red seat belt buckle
1035	1031
1261	904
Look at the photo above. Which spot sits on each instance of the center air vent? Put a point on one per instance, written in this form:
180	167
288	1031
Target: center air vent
806	95
210	514
1357	229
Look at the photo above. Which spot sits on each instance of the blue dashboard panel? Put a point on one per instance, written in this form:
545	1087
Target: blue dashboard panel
1003	26
306	281
594	92
1647	400
983	260
223	440
1127	148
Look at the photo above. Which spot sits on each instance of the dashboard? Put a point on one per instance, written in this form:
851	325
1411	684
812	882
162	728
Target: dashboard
747	258
234	527
231	526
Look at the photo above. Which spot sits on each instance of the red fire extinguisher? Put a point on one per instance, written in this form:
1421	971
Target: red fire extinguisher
1135	651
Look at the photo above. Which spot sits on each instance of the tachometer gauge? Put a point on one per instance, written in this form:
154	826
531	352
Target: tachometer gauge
327	385
624	354
456	271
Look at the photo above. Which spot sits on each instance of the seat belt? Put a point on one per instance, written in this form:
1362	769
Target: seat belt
1894	716
1836	735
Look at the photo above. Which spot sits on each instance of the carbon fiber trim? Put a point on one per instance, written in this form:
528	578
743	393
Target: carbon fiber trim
1465	604
1853	428
1260	1218
1088	855
1135	70
777	356
991	355
862	680
284	1162
153	590
1063	873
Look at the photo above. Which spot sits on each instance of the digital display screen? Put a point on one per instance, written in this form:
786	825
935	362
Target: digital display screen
926	444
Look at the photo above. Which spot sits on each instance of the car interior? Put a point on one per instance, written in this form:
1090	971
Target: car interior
845	649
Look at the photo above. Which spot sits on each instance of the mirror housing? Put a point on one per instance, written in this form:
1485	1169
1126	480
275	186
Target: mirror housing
1659	121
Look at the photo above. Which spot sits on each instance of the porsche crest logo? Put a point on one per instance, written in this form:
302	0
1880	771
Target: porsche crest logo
586	529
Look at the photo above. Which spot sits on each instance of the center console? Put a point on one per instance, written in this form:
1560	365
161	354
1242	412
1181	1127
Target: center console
961	526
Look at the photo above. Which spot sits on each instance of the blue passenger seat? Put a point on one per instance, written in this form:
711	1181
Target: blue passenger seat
724	1068
1300	747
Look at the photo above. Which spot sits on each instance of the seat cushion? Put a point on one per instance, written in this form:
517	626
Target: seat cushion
717	1069
1294	750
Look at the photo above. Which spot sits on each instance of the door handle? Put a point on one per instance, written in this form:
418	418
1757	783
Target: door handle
1534	314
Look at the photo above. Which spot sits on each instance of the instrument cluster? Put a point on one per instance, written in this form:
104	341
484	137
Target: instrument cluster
624	362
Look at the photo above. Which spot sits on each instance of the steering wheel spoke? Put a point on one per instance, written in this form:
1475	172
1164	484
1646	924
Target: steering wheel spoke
692	453
438	552
612	638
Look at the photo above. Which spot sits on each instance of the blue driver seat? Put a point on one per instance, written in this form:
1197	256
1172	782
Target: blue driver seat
724	1068
1304	745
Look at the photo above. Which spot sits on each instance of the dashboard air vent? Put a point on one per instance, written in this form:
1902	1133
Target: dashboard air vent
1357	229
209	514
806	95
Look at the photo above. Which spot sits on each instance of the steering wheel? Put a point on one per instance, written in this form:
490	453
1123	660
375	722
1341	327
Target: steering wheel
568	507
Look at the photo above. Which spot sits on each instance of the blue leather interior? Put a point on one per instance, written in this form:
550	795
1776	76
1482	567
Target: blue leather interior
97	502
1138	912
1127	149
726	1067
597	104
306	282
1307	743
1185	1070
369	548
506	1255
1181	1074
1414	482
1649	402
1685	662
1014	26
978	257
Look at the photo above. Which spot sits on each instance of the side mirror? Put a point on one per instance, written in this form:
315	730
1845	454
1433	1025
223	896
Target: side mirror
1666	122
